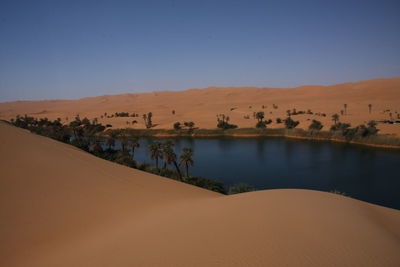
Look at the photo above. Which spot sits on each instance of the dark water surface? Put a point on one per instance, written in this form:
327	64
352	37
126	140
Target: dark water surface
368	174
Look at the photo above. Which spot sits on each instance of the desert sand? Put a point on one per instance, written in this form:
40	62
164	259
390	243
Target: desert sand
60	206
202	105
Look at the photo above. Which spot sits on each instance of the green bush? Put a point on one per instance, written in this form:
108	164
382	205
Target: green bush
225	125
124	158
290	123
177	126
337	192
343	127
263	124
315	125
240	188
207	184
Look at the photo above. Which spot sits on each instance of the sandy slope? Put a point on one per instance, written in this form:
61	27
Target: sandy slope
202	105
62	207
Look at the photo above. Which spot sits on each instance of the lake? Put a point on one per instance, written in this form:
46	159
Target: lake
364	173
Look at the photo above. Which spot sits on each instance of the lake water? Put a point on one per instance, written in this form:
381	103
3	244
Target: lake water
364	173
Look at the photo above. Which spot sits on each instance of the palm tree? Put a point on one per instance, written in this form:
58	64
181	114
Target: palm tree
145	119
166	147
110	143
370	108
170	157
75	125
133	143
345	108
80	133
112	135
186	159
155	152
123	141
97	148
335	118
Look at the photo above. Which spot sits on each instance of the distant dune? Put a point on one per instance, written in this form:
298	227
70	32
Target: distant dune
60	206
202	105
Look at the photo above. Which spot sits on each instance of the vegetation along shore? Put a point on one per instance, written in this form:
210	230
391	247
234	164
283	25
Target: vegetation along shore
100	140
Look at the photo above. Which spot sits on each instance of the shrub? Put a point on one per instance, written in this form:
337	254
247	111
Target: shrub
240	188
361	131
225	125
81	143
263	124
121	114
189	124
315	125
259	115
290	123
337	192
223	122
364	131
143	166
340	127
207	184
108	154
124	158
177	125
167	173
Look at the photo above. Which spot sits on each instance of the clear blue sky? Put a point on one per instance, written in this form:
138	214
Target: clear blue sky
71	49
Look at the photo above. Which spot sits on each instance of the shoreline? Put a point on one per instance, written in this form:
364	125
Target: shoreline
284	136
298	134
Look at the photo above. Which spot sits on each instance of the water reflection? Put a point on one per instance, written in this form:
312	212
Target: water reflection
225	144
260	144
364	173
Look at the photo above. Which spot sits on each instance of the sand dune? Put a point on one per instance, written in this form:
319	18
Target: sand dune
60	206
202	105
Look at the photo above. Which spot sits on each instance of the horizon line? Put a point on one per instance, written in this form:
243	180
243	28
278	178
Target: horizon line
204	88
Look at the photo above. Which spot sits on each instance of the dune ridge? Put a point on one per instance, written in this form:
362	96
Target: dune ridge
202	105
60	206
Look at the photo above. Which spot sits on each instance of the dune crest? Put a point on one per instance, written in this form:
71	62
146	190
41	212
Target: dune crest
202	105
60	206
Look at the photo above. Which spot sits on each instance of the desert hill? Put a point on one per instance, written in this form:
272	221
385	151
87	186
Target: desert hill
60	206
202	105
